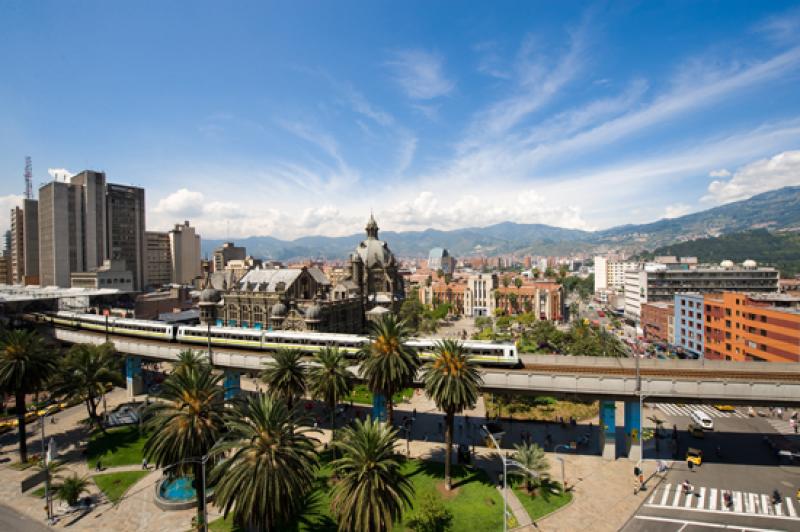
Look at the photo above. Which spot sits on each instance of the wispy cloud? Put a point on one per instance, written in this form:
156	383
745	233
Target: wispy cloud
361	105
420	74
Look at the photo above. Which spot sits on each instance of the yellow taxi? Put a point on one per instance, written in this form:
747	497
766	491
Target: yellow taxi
725	408
694	456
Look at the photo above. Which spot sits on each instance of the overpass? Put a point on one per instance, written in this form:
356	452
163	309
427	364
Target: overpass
587	378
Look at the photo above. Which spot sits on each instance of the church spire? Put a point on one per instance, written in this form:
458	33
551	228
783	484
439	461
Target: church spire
372	227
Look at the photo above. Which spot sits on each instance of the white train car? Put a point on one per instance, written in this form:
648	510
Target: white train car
485	353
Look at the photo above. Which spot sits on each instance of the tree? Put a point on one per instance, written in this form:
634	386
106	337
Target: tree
388	363
533	458
186	423
189	359
518	282
285	375
71	488
330	380
549	273
535	273
411	312
86	372
372	491
25	366
271	468
452	382
432	517
506	281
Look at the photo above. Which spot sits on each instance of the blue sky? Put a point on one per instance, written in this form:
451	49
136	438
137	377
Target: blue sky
296	118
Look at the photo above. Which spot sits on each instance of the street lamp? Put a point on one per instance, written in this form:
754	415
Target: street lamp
506	463
202	461
46	476
560	459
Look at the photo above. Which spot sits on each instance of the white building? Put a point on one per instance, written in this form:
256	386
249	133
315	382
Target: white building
609	272
185	251
479	295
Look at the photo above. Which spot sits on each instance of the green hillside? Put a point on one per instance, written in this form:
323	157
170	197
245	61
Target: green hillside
781	250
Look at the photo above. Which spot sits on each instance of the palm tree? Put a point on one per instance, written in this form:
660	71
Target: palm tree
285	376
25	366
372	490
187	423
189	359
452	382
71	488
272	466
388	364
532	457
85	372
330	380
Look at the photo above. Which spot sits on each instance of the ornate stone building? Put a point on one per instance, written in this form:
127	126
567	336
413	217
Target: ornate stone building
300	299
374	272
304	299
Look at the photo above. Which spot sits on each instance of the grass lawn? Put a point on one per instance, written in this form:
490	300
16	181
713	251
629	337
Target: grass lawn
544	503
536	409
38	492
121	446
114	485
362	396
476	505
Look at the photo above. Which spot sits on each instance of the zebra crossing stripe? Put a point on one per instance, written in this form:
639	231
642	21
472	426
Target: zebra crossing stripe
666	495
737	501
712	498
689	497
777	508
678	491
765	505
701	502
790	507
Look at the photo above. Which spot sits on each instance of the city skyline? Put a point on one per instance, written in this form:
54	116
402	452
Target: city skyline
271	122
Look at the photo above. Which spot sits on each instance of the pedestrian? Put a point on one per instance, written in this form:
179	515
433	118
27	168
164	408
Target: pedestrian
98	466
144	463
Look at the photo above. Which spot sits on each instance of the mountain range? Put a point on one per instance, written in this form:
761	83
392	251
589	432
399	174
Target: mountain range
775	210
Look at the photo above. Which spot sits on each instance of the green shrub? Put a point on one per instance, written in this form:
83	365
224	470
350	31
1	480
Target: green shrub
432	517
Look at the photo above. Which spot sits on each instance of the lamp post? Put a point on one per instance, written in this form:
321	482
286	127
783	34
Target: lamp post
46	475
202	461
561	459
507	462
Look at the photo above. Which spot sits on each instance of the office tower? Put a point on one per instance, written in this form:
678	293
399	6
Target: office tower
185	249
158	259
25	243
125	223
227	252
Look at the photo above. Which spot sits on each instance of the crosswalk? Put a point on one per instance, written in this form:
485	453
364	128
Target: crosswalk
781	426
672	409
713	500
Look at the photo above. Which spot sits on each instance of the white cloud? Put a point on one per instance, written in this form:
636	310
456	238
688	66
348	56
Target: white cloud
676	210
7	203
361	105
420	74
181	203
778	171
722	172
60	174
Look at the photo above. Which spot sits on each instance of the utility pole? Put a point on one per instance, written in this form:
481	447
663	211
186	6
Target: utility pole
46	474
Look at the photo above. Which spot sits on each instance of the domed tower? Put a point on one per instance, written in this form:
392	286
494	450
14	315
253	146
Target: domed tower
372	228
210	299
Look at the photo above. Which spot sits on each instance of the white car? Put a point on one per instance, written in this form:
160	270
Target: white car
701	419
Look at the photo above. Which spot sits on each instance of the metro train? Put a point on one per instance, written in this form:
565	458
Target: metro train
484	353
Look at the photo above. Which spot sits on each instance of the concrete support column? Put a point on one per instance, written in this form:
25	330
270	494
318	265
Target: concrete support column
232	385
633	430
378	407
608	429
133	375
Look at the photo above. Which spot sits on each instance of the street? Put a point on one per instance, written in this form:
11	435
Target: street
746	469
13	521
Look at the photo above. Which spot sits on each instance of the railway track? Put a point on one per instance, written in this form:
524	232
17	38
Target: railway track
782	376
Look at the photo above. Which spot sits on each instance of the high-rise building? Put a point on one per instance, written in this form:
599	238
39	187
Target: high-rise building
91	187
126	228
609	272
657	282
7	243
185	249
227	252
60	231
25	243
440	259
5	269
689	323
158	259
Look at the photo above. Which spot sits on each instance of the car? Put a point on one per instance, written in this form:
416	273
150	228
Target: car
725	408
695	456
701	419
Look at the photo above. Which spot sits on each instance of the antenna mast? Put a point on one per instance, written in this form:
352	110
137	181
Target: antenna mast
28	178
